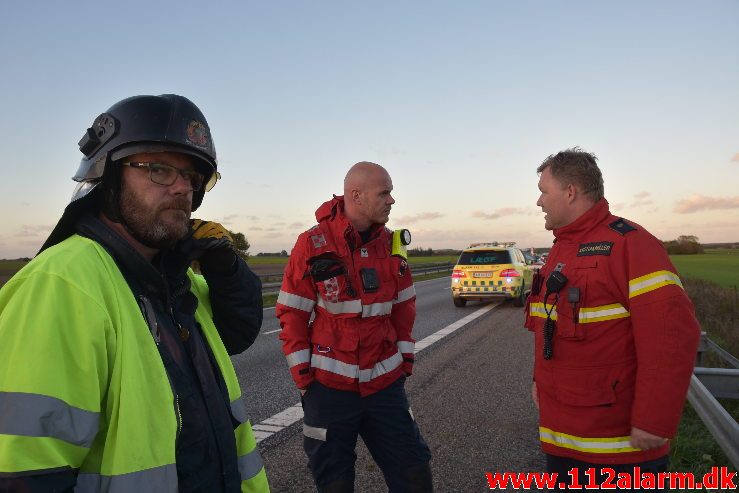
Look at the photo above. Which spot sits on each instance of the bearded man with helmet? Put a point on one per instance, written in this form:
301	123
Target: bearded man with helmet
114	354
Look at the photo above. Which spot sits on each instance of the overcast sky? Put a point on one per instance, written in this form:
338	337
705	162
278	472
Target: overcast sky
459	100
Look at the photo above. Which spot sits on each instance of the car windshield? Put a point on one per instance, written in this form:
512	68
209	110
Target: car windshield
485	257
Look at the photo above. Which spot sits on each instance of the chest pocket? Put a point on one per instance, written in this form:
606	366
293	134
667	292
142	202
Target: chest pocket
573	297
330	277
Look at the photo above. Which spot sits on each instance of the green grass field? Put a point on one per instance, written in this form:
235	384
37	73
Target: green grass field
717	266
268	260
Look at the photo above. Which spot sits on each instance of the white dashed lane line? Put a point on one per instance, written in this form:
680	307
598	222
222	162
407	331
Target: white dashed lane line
294	413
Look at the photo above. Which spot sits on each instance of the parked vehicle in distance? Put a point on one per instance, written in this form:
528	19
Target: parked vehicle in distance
489	271
533	259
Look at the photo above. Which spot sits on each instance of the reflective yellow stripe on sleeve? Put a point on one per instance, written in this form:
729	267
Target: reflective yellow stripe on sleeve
602	313
650	282
593	445
585	314
537	310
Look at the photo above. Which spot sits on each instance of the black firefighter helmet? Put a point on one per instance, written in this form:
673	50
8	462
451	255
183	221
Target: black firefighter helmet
135	125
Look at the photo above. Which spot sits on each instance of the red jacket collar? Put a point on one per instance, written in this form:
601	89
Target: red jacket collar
331	214
591	219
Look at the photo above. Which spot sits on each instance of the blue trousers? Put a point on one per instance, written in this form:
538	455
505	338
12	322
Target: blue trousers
563	465
334	419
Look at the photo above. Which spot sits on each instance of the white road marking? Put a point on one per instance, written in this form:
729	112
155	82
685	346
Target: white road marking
294	413
271	331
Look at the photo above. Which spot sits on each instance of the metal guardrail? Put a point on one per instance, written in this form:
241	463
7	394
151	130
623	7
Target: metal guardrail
706	385
271	282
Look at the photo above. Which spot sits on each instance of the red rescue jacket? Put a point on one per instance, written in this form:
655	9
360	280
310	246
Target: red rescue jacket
360	339
623	354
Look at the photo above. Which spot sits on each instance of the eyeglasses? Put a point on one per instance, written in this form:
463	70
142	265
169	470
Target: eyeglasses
164	174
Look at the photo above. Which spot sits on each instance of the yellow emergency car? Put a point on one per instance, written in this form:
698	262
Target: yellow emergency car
490	271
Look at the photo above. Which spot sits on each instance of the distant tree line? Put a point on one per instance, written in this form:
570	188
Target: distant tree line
430	252
684	245
282	253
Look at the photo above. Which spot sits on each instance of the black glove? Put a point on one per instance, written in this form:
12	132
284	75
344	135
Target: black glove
211	245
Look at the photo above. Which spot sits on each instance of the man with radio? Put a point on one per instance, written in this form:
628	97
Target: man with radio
351	361
615	333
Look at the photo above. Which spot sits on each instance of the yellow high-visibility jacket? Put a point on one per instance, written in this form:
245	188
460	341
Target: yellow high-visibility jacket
82	384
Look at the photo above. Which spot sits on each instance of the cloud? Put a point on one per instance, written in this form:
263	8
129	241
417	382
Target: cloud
735	159
34	230
421	216
641	203
698	202
295	225
506	211
641	200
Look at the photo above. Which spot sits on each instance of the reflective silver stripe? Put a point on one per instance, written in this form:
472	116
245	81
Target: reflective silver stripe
377	309
351	306
250	464
313	432
37	415
406	294
334	366
298	357
295	301
406	346
155	480
352	371
238	409
381	368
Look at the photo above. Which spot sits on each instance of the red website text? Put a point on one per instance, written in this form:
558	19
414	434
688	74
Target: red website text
716	478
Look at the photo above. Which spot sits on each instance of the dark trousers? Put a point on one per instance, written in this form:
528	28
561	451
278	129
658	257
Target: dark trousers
333	420
563	465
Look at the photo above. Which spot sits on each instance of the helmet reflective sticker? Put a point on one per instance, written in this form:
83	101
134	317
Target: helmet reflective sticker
197	134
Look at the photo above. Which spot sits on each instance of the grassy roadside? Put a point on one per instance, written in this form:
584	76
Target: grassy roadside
717	309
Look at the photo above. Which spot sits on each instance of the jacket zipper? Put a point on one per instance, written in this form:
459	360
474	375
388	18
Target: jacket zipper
178	414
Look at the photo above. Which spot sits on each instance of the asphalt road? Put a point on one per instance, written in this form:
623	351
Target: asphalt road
469	394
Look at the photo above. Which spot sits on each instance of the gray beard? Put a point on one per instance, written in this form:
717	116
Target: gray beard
143	225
